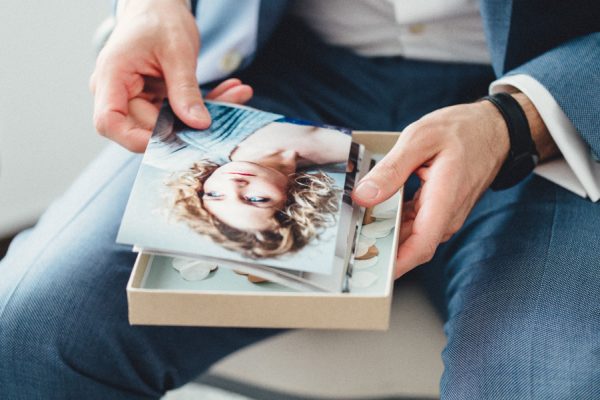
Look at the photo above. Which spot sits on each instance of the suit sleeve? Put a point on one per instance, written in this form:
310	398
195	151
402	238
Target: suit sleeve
571	73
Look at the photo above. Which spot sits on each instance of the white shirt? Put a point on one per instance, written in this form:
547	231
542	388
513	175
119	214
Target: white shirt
440	30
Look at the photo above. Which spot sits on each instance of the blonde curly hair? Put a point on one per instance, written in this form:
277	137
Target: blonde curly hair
312	201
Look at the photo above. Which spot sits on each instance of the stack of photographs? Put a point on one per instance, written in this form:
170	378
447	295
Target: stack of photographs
259	193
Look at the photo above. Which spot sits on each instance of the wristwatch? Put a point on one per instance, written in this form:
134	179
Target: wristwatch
522	156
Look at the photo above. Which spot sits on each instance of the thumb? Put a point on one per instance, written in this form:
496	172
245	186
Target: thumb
184	94
388	175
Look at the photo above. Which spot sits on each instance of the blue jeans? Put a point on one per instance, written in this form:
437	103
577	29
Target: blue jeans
518	284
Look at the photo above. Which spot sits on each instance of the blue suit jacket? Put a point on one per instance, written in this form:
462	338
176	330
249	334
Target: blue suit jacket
557	42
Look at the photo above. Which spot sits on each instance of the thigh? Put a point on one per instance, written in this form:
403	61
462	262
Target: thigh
64	331
522	282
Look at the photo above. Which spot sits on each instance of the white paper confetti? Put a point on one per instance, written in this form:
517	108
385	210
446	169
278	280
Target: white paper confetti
362	279
363	264
181	262
366	241
388	208
195	273
192	269
361	249
388	214
378	229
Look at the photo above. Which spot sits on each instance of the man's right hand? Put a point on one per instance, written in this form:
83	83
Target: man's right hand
151	54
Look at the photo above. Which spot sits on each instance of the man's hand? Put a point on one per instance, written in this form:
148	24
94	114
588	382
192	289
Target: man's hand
456	152
151	54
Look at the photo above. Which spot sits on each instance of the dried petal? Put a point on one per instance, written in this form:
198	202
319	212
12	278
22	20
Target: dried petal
372	252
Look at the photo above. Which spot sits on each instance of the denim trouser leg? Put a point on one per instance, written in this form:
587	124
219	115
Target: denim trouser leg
63	312
522	284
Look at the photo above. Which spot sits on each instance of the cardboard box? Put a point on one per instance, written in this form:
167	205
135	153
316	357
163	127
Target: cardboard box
232	304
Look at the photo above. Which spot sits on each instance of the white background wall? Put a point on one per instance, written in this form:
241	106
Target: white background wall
46	130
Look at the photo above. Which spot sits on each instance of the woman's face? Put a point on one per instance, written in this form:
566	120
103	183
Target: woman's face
245	195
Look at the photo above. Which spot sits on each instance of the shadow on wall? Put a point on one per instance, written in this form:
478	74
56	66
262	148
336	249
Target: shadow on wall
4	243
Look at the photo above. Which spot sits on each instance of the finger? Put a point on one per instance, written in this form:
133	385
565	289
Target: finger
238	95
391	173
417	248
408	209
155	89
92	83
223	87
183	91
406	260
408	216
446	237
430	226
134	139
131	135
143	113
405	230
110	103
151	97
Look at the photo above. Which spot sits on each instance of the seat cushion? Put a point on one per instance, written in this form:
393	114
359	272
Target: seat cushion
404	361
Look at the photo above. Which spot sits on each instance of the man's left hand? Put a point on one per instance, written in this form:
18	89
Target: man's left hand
456	152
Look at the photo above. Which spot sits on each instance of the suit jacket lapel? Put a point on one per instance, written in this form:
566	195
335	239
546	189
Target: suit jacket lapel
496	15
269	16
520	30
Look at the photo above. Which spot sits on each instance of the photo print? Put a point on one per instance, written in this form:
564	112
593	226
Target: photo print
255	187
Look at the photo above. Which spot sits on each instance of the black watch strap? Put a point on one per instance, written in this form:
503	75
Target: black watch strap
522	156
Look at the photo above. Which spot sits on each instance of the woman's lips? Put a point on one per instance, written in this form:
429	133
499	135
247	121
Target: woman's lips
240	173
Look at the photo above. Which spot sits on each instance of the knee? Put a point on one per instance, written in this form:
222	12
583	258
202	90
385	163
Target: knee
518	349
523	310
57	325
29	341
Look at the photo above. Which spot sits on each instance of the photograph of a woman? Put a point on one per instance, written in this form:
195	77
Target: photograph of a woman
255	183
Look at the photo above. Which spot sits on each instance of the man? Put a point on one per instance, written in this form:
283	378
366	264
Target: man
519	267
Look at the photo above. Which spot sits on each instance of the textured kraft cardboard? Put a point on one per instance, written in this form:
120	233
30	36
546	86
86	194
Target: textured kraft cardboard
268	309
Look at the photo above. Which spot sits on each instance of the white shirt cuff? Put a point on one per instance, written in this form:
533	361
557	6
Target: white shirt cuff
576	170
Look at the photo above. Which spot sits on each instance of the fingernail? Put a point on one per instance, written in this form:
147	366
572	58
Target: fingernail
367	190
198	111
